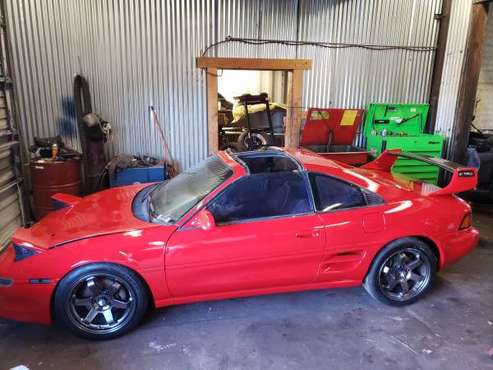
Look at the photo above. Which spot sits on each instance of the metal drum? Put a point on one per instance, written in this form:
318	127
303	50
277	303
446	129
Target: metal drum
50	177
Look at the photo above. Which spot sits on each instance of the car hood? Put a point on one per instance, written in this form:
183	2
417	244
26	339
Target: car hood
102	213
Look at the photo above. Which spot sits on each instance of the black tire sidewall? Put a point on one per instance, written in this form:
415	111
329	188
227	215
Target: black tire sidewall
371	282
242	140
64	290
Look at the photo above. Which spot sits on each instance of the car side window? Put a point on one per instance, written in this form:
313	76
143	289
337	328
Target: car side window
262	195
330	193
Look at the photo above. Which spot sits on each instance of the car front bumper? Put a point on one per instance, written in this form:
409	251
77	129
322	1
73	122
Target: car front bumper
21	299
26	302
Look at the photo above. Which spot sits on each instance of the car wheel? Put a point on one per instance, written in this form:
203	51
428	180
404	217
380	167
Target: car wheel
100	301
254	141
402	272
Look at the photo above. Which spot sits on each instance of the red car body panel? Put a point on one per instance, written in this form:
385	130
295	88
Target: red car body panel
182	263
106	212
233	257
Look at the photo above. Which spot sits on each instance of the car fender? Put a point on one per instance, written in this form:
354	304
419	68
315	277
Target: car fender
434	243
142	251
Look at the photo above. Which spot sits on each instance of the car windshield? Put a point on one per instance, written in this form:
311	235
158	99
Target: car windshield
172	199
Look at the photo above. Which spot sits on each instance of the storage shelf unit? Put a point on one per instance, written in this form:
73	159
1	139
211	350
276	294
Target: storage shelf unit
401	126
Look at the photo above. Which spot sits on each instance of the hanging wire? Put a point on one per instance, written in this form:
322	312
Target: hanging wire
327	45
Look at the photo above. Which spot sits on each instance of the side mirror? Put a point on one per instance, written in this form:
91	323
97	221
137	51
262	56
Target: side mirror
204	220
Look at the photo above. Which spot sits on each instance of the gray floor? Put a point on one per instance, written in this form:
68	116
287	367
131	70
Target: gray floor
452	328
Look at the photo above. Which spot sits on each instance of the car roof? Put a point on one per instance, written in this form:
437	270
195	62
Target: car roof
390	187
268	160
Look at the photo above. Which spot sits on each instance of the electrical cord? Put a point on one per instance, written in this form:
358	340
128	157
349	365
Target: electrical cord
327	45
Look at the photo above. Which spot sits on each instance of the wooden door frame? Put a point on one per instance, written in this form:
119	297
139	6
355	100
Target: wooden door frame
294	67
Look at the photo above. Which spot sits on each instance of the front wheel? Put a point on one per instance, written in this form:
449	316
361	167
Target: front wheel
100	301
402	272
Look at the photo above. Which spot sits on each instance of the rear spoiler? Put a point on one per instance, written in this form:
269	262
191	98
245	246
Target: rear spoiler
463	178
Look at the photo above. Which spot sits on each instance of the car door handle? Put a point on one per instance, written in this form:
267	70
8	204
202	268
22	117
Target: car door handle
306	235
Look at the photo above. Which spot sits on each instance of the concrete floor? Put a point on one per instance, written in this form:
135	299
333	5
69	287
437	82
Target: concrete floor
452	328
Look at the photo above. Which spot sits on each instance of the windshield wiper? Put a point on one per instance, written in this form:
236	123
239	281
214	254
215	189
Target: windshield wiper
150	210
154	216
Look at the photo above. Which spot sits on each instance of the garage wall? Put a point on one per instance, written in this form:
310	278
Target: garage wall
11	210
484	108
138	53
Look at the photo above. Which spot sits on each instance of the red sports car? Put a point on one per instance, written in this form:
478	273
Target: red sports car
235	225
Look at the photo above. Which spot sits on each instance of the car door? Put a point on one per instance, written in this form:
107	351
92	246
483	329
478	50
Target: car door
266	236
353	220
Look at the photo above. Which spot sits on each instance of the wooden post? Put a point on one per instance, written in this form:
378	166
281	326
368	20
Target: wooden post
212	123
469	82
295	111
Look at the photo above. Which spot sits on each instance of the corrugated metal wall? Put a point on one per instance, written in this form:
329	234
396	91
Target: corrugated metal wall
143	53
44	54
138	53
11	211
355	77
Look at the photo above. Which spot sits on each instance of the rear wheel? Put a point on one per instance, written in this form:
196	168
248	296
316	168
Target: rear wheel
101	301
402	272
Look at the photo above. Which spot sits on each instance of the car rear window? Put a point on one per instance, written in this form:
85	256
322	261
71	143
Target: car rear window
330	193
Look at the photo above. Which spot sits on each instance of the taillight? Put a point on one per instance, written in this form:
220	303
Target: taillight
466	222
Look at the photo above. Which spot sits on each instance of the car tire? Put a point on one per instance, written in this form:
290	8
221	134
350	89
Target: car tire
261	140
100	301
402	272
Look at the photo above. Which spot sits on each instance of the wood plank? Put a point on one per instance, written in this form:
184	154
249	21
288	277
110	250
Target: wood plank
212	113
254	64
295	110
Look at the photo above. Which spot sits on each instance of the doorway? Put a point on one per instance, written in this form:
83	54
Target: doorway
293	72
252	107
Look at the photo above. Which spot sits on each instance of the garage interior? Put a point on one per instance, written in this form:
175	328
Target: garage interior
172	82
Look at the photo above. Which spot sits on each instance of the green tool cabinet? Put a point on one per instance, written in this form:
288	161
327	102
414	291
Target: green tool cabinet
401	126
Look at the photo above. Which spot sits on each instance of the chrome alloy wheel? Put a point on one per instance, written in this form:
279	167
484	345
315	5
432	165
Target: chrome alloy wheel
404	274
101	304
